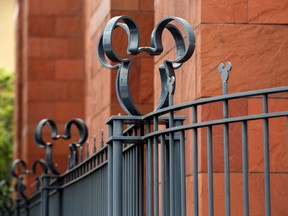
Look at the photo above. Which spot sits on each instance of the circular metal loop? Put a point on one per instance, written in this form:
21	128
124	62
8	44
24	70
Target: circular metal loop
82	128
83	133
14	166
38	133
183	53
101	53
133	37
43	165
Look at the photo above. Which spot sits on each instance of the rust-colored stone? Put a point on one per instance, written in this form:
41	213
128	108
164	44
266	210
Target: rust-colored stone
273	12
48	90
226	11
41	69
125	4
75	110
70	26
69	69
42	26
35	47
55	48
256	51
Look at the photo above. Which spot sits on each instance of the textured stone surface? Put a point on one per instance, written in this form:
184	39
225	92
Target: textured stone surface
56	7
69	69
256	51
224	11
69	26
189	10
35	49
125	5
41	69
42	25
274	12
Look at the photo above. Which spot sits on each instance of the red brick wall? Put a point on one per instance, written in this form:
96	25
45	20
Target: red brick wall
50	71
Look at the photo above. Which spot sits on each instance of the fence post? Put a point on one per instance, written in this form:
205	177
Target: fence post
45	197
110	174
117	169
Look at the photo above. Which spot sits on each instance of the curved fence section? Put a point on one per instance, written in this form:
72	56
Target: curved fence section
223	155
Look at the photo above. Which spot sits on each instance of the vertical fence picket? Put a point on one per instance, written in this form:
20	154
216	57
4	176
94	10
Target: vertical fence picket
266	157
210	171
195	161
245	168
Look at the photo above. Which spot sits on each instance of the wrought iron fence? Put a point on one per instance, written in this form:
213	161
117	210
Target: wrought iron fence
143	167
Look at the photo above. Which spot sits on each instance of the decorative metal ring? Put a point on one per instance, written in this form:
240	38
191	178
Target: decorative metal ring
19	187
17	163
83	131
42	164
183	53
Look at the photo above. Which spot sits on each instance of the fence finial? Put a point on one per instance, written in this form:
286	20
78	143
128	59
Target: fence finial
94	144
225	75
184	44
81	153
40	142
102	138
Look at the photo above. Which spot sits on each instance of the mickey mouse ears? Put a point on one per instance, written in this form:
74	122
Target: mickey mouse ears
183	53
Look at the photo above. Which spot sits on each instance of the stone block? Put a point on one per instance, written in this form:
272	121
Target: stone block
270	12
42	26
55	48
76	90
61	7
99	18
48	90
146	5
64	111
69	69
70	26
256	51
35	47
40	110
35	7
224	11
41	69
125	4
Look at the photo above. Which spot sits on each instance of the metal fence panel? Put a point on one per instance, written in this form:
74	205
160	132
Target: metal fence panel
88	196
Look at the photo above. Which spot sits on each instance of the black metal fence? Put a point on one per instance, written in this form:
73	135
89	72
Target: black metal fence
144	165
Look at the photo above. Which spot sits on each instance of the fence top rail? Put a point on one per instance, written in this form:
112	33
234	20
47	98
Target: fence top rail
202	101
215	99
216	122
152	134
